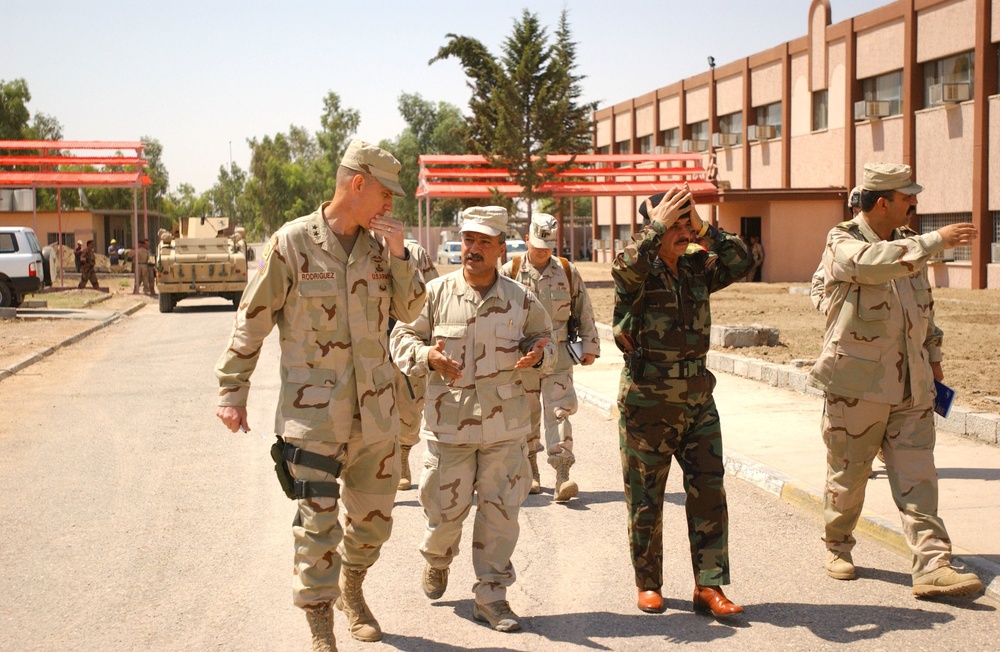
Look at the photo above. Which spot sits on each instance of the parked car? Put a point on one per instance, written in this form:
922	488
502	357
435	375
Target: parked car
516	248
20	265
450	253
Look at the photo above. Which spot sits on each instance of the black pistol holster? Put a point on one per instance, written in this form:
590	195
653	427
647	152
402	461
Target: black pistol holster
284	454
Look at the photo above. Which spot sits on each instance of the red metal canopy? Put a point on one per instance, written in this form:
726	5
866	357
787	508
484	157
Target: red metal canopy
593	175
58	154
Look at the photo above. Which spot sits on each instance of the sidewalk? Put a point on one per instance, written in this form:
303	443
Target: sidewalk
772	440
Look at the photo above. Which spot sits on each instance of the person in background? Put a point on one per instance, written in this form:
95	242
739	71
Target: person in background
88	261
558	285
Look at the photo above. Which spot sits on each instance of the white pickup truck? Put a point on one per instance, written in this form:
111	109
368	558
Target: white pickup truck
20	265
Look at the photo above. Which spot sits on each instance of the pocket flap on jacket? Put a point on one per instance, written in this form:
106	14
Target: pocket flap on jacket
861	350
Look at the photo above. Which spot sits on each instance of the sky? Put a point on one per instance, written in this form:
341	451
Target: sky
204	77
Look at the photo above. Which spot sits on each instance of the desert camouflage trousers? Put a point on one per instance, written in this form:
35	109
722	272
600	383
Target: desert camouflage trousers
853	431
499	474
652	429
410	406
323	541
549	393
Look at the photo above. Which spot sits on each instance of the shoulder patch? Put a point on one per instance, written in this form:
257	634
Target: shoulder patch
268	248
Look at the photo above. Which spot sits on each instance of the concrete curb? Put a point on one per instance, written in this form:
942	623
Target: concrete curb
41	355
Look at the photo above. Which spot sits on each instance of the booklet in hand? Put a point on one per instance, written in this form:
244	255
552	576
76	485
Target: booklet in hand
943	400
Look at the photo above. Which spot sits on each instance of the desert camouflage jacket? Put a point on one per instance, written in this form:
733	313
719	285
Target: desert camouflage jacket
553	289
487	337
332	311
880	333
422	260
669	316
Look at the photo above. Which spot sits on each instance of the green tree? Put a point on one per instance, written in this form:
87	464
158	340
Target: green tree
431	129
186	202
525	104
14	114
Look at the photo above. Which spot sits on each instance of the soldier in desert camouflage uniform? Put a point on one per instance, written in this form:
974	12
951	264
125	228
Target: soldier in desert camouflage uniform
477	331
881	355
546	276
88	260
662	323
410	389
331	281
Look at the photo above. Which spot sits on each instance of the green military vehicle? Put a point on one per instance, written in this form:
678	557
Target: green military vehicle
203	257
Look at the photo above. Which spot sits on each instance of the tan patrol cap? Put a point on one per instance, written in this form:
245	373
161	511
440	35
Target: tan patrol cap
542	233
890	176
491	220
365	157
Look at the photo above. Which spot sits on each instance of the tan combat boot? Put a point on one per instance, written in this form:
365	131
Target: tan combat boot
360	620
536	479
945	581
435	581
404	477
839	565
321	627
498	614
565	488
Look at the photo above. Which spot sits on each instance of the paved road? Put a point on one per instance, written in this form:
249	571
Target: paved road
133	521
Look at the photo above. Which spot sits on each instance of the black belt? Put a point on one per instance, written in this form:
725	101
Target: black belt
673	370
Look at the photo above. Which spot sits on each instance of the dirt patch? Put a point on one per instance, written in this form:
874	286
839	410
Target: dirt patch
968	318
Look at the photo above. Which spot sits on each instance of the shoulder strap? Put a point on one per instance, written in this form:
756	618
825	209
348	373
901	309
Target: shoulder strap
515	267
569	275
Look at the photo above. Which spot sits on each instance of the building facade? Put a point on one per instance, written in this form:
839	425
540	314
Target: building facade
790	129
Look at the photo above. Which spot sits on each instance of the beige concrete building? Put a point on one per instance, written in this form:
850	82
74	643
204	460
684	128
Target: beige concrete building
791	128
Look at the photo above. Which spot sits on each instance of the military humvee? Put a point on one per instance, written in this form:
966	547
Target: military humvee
203	257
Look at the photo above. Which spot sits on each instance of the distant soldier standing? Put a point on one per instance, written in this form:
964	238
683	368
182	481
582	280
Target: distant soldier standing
331	281
88	260
410	389
142	263
476	332
880	358
557	284
662	322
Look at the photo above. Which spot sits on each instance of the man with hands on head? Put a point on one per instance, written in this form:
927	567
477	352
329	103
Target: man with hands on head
881	355
662	324
476	333
331	281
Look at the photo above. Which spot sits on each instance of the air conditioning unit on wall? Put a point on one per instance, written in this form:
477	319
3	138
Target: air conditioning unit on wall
760	132
946	256
871	109
950	93
693	145
725	140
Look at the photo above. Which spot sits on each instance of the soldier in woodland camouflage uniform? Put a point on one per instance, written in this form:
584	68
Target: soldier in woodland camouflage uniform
410	389
477	331
662	323
545	275
331	281
88	260
881	355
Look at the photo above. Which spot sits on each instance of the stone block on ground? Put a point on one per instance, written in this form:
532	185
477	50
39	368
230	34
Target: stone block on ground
35	303
743	336
8	313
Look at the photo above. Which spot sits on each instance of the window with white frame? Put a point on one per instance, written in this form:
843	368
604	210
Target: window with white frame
934	221
732	125
699	136
646	144
949	79
769	115
887	88
821	109
671	139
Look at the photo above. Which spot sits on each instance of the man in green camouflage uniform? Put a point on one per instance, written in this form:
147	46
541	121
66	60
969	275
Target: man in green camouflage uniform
546	276
473	338
410	389
662	323
881	355
88	261
331	281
